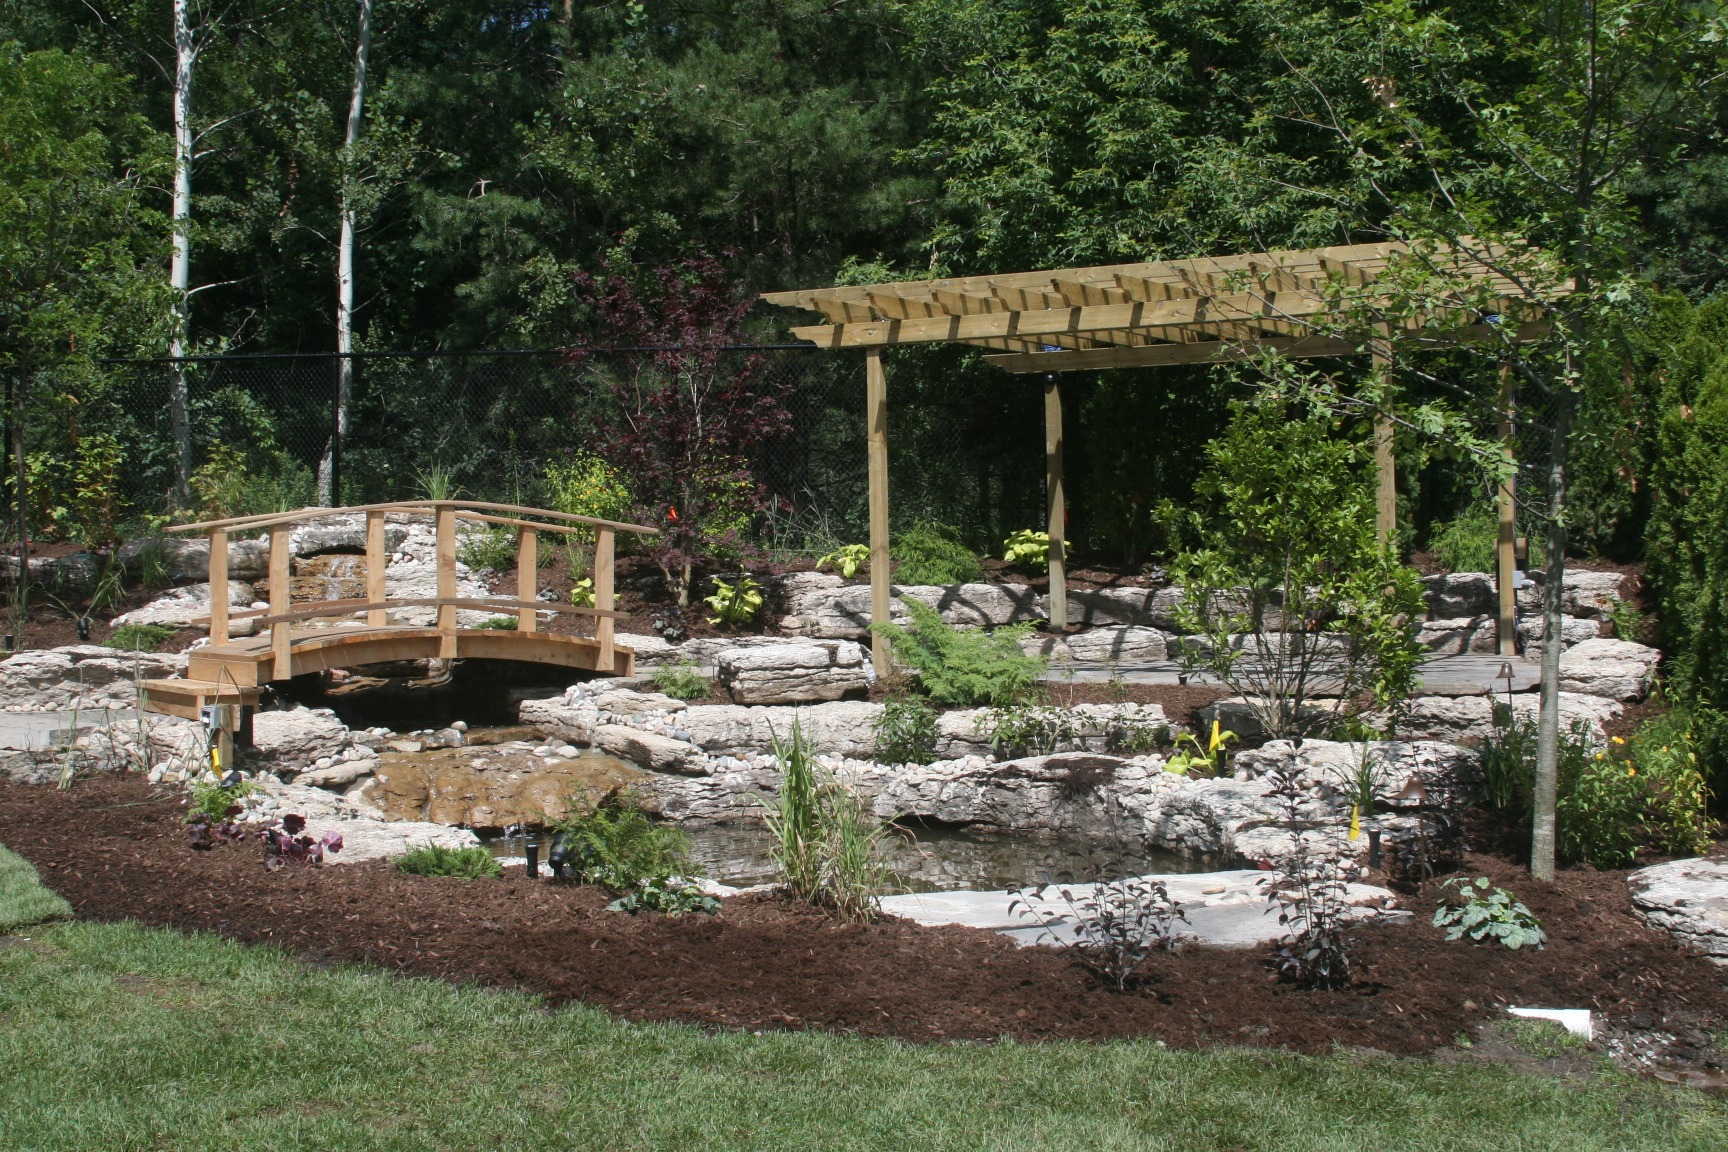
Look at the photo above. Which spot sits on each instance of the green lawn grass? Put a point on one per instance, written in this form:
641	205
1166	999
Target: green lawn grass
119	1037
23	899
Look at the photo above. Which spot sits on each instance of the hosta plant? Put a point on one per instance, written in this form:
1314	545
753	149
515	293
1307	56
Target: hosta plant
582	592
1027	548
848	560
734	604
1481	911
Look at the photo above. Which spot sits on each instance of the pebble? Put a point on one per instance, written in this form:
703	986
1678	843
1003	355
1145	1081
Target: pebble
459	725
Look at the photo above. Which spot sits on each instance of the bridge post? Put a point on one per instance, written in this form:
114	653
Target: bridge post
603	629
218	586
281	646
376	561
527	576
445	520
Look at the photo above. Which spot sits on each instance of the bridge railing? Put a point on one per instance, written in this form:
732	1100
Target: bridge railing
376	604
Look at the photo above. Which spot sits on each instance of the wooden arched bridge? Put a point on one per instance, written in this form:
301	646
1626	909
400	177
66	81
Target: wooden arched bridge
296	639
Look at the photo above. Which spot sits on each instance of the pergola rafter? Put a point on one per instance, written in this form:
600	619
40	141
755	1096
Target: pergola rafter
1296	303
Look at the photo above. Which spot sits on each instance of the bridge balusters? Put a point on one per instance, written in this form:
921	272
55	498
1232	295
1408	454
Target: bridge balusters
527	576
218	586
445	520
280	644
376	560
604	661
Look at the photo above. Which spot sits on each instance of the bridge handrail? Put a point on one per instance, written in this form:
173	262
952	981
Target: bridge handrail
351	607
424	507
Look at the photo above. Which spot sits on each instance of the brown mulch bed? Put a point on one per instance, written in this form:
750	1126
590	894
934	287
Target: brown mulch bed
116	850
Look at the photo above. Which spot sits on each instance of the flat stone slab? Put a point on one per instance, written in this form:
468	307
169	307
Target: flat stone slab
1465	674
1224	909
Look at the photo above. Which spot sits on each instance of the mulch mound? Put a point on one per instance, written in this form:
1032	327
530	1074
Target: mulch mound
116	850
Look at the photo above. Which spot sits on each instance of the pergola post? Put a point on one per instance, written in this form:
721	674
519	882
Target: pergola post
876	420
1505	547
1058	556
1385	463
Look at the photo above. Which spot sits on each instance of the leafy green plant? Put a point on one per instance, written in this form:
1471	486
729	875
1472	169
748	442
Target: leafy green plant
492	549
736	604
828	841
848	560
931	553
1027	548
1466	542
671	897
1626	620
585	485
139	637
682	681
219	484
906	731
582	592
1483	912
617	845
963	668
1110	926
1307	888
1286	592
1192	758
1508	757
498	623
1028	729
217	801
461	863
435	482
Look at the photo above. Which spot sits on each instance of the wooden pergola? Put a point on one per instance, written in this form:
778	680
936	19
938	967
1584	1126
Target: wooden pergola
1199	311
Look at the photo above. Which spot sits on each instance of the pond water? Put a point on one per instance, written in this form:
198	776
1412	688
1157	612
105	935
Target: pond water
923	858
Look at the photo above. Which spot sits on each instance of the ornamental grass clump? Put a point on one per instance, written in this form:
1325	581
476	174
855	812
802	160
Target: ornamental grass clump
963	669
827	841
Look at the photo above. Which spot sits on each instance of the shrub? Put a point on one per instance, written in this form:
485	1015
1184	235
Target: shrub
615	844
498	623
906	732
1485	912
1636	795
682	681
218	801
462	863
828	842
492	549
931	553
139	637
1466	542
585	485
1286	587
963	668
1307	888
1110	927
1028	729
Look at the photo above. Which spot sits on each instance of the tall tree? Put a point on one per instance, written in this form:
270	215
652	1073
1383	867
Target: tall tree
345	257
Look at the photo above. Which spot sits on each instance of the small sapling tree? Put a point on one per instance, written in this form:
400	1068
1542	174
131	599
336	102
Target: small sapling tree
683	421
1288	597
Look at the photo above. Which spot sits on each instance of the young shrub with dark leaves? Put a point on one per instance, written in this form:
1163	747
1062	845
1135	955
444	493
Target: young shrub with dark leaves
1307	890
285	843
1110	926
204	832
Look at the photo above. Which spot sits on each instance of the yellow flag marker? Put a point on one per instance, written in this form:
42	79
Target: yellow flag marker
1355	821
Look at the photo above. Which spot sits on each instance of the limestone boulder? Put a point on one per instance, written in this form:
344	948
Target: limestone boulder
794	673
80	676
1130	607
77	572
294	740
1574	630
1455	635
178	607
821	605
844	728
1454	594
189	559
1446	772
1076	793
1689	900
1468	720
1616	669
345	533
651	750
1585	594
1124	644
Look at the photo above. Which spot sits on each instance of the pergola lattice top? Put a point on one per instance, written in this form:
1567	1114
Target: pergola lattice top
1126	315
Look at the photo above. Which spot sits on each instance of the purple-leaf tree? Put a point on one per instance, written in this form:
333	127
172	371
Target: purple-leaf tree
685	418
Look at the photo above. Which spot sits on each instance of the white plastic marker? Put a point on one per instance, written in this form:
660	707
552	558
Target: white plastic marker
1574	1020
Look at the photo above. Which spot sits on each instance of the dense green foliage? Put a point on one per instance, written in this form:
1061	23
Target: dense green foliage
1284	585
617	845
963	667
462	863
828	841
930	553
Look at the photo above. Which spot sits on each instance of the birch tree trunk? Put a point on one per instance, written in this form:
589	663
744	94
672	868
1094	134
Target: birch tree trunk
1542	833
180	268
327	469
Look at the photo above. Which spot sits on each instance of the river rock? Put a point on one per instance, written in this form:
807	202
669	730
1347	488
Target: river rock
1689	900
80	676
1454	594
296	739
1616	669
794	673
189	559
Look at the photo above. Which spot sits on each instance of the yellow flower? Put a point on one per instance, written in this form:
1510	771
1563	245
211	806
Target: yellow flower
1619	739
1631	771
